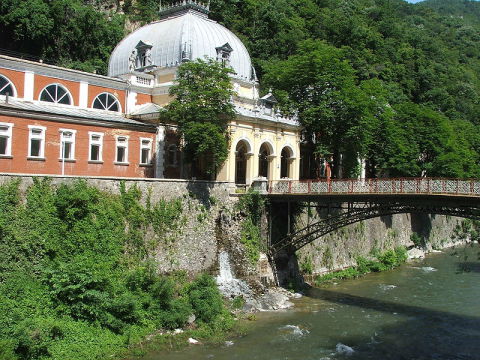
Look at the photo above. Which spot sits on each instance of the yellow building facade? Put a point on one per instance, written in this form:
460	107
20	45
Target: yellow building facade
263	144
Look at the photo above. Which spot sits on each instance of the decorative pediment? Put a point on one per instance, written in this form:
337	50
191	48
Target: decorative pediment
141	57
269	98
143	45
223	54
225	48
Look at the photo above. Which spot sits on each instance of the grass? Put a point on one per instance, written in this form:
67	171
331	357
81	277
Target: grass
383	261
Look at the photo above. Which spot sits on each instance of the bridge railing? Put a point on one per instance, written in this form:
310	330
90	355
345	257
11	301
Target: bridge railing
377	186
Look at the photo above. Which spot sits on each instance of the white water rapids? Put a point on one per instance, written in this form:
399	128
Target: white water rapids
230	286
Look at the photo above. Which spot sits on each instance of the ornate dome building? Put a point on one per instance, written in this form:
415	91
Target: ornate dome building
263	144
107	125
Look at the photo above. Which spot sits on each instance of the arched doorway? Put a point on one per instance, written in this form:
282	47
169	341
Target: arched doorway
241	163
263	160
285	161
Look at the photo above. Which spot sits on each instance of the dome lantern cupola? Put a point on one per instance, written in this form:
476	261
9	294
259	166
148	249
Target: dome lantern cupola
183	6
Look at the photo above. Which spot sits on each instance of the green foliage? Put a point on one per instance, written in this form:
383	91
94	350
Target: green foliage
392	258
467	229
252	206
166	215
202	108
251	238
238	302
206	300
418	240
61	31
371	61
205	141
306	265
77	279
384	261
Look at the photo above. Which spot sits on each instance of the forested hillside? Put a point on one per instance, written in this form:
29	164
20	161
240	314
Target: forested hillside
394	83
465	9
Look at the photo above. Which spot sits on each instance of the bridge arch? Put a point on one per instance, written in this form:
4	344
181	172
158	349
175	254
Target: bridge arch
356	212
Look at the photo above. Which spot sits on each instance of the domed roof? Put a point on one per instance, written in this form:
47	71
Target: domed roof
187	34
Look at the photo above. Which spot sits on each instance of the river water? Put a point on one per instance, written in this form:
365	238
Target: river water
428	309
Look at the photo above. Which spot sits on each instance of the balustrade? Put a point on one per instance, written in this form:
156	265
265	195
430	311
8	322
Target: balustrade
377	186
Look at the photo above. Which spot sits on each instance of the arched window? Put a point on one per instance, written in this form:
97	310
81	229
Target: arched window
57	94
106	101
286	155
241	163
263	160
6	87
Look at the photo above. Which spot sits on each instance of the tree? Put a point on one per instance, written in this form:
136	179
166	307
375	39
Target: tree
319	86
202	107
418	141
60	31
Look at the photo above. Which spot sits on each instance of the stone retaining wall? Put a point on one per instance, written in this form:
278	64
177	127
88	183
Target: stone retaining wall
338	250
194	247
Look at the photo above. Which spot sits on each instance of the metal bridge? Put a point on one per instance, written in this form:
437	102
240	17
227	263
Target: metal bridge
355	200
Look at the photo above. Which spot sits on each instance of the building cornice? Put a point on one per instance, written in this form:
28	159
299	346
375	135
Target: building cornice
57	72
74	120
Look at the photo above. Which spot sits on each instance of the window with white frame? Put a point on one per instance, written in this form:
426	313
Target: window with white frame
145	151
67	144
121	155
36	141
96	146
57	94
106	101
6	86
6	139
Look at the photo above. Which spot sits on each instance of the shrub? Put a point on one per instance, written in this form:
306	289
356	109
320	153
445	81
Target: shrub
205	298
34	336
176	314
306	266
165	216
364	265
7	350
250	237
79	290
75	202
163	291
252	204
142	277
74	282
417	240
385	261
120	311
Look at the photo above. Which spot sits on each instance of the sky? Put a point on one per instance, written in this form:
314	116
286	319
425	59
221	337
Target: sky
416	1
